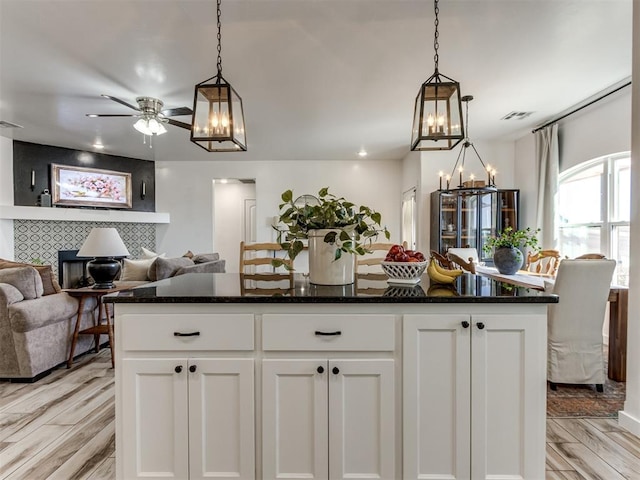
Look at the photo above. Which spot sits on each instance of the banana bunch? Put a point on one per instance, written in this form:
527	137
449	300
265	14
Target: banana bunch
441	275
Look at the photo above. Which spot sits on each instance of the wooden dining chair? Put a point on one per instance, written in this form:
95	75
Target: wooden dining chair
368	266
544	262
257	258
464	258
591	256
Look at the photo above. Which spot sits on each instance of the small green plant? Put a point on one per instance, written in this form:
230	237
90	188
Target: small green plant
513	238
354	226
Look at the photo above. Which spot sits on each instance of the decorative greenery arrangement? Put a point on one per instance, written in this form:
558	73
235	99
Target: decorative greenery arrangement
513	238
354	226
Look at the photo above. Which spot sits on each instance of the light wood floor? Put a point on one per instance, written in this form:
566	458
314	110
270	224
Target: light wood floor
62	427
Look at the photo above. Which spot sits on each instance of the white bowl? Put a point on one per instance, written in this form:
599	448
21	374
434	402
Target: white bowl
404	272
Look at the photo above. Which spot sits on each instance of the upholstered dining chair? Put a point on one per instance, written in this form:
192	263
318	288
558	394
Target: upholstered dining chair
464	258
544	262
575	343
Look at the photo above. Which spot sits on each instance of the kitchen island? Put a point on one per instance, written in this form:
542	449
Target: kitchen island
221	376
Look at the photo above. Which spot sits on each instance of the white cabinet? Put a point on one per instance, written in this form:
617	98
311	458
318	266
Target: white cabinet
185	414
328	419
325	416
474	396
188	418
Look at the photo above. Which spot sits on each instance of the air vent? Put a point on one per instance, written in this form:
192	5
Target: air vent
4	124
516	115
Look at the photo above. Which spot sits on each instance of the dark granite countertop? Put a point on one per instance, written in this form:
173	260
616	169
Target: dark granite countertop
236	288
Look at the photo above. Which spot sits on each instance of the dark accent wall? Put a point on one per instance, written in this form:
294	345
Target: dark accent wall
32	156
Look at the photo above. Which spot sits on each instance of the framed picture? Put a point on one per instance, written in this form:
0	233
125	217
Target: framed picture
90	187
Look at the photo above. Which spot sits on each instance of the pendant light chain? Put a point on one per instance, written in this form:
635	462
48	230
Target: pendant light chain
435	38
219	12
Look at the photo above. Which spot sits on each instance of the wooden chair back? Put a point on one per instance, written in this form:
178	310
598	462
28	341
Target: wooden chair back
256	255
464	258
544	262
368	266
591	256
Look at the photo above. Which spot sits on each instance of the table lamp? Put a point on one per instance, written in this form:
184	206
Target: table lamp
103	244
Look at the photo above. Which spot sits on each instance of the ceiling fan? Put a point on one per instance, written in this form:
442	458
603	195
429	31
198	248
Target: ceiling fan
151	115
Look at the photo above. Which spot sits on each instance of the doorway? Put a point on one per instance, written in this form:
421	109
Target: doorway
234	218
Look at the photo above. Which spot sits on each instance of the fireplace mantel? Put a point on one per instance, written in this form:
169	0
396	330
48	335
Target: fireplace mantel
11	212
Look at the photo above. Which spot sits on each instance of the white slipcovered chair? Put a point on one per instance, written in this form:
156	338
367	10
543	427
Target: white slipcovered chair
575	340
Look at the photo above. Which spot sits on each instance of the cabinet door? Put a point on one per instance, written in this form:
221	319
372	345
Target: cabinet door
436	397
295	419
155	418
509	396
221	419
361	419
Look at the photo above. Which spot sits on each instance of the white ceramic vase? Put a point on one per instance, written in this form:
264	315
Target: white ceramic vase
323	269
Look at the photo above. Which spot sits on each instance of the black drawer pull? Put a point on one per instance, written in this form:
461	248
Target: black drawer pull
320	369
335	370
178	369
190	334
192	368
480	325
465	324
328	334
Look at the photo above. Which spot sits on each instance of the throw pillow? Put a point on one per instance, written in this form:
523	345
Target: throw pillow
49	282
26	279
167	267
146	253
136	269
206	257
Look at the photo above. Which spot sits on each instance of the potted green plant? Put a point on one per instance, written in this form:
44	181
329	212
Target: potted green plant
507	248
336	230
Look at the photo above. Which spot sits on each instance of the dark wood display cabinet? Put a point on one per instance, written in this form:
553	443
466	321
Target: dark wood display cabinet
467	217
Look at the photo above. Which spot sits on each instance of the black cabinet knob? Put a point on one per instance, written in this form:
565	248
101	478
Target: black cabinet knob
192	368
480	325
465	324
335	370
178	369
320	369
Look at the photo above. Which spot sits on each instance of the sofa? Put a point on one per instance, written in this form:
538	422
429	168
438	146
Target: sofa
37	318
36	329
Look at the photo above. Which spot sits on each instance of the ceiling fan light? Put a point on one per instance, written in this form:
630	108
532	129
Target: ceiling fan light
142	125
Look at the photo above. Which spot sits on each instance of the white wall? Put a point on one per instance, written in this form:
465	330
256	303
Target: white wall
6	197
630	417
184	189
596	131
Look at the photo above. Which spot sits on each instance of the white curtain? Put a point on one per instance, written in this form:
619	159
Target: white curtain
548	165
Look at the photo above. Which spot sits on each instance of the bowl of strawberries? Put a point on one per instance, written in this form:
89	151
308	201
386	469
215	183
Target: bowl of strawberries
404	266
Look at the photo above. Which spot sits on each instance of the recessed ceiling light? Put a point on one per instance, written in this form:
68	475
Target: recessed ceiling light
362	153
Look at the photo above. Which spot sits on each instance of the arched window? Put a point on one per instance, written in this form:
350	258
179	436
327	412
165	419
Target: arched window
594	210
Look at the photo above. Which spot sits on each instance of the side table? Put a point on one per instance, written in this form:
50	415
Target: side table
99	328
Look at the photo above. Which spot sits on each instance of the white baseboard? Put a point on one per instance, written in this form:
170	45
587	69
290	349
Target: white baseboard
629	422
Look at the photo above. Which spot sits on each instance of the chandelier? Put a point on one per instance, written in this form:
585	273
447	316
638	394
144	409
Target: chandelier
471	182
437	117
218	119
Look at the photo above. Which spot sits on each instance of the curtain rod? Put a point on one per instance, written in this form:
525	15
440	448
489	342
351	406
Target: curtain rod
583	106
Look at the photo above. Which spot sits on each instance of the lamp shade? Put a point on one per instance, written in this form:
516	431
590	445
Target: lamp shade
103	242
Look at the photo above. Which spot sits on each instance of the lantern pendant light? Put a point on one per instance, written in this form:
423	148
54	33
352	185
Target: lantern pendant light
437	118
218	118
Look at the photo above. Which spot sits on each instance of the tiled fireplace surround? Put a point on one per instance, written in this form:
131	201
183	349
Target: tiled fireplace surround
40	240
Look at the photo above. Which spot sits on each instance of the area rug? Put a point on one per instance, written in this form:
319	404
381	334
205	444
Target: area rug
585	401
